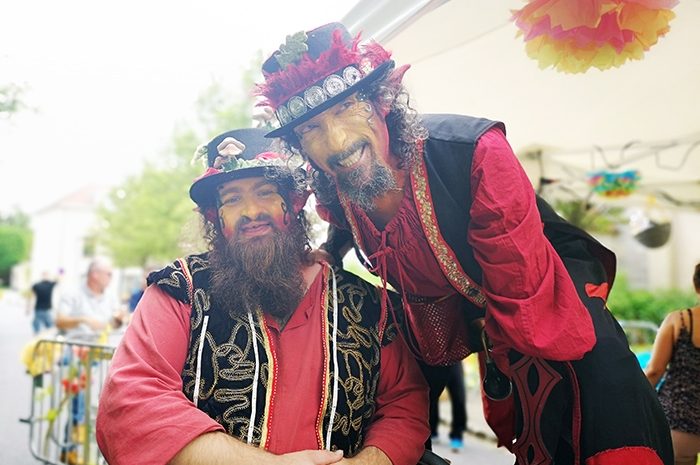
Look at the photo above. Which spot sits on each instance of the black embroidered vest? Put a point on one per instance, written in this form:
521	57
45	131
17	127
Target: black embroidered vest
228	353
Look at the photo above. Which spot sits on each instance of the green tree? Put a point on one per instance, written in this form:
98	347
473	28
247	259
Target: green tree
15	242
149	218
590	217
144	219
639	304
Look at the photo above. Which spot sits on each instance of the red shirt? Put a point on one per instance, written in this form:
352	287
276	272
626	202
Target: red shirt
532	304
144	417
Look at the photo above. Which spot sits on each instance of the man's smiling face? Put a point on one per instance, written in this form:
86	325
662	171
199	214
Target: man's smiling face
350	143
251	208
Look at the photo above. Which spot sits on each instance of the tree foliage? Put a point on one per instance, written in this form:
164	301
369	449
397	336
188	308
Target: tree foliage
639	304
589	217
144	219
15	242
150	218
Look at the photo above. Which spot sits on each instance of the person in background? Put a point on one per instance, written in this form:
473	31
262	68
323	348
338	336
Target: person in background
42	302
253	352
88	310
443	211
135	296
676	357
83	314
452	378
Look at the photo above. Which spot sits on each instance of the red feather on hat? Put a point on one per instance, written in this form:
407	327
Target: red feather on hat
295	78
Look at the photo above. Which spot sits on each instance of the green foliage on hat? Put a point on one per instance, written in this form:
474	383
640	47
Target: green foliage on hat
292	50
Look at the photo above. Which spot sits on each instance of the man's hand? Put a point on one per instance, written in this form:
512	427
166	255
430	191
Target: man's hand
119	318
310	457
368	456
218	448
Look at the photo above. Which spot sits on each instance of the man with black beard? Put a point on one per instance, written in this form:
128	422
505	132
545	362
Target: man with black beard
253	352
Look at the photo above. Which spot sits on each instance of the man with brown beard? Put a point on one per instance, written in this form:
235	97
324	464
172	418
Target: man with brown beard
253	353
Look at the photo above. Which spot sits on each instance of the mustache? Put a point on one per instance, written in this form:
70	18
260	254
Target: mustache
262	217
334	158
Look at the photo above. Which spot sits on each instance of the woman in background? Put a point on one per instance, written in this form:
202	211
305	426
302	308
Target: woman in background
676	352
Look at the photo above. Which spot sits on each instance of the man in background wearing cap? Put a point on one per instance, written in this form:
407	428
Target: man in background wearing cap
443	212
251	353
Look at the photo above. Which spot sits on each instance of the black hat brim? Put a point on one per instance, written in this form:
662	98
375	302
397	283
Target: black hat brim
204	192
359	85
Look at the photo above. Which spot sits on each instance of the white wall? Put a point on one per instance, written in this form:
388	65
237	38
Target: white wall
59	241
686	247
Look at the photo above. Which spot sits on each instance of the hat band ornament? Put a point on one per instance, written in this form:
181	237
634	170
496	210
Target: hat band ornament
318	93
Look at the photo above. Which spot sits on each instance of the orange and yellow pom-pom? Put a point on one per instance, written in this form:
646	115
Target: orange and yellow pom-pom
573	36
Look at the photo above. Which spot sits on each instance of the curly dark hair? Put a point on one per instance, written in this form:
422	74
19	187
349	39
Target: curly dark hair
696	278
402	120
290	180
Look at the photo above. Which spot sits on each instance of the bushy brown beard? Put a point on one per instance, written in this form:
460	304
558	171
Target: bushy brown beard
262	272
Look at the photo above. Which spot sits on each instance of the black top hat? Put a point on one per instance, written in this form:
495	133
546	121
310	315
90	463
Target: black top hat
255	159
314	70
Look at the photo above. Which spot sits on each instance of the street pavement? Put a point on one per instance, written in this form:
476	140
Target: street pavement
15	398
15	388
476	451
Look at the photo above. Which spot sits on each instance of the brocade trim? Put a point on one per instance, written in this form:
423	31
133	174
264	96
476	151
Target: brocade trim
326	378
443	254
265	430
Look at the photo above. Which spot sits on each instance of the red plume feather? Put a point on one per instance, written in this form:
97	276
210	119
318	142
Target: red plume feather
295	78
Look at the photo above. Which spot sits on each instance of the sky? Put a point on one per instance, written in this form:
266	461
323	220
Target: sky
106	83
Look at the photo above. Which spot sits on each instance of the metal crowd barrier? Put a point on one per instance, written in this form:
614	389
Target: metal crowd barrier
67	378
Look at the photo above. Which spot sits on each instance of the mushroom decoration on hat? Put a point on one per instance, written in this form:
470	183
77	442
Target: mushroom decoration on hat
314	70
244	153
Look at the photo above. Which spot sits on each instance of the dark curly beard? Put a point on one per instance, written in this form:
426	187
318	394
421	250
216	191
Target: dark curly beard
363	189
262	272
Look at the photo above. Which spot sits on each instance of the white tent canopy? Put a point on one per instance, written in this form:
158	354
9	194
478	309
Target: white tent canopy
465	58
645	115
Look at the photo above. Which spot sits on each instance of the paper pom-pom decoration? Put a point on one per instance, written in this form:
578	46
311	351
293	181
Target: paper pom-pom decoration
575	35
610	184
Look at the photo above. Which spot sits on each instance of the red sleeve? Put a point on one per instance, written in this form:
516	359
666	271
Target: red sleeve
532	304
143	415
399	427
